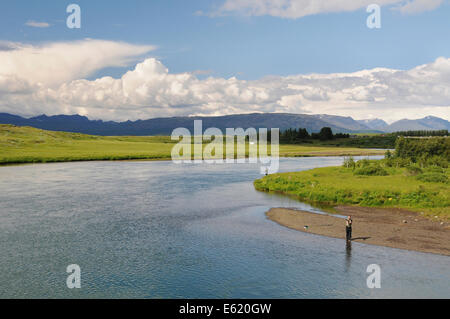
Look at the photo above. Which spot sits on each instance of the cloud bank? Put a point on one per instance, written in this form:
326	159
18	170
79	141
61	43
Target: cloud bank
55	63
51	79
294	9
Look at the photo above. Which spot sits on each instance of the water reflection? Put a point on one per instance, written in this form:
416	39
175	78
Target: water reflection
348	255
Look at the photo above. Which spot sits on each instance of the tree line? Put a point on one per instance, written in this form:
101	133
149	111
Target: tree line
292	135
387	140
417	148
422	133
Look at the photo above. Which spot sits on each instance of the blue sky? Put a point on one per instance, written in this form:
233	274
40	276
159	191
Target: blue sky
190	38
248	47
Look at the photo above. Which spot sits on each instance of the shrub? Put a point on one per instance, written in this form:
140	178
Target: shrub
388	155
397	162
413	170
426	161
416	148
433	178
435	169
371	171
363	163
349	162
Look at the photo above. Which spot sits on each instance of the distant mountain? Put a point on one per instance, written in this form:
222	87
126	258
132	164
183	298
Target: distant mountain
165	126
345	122
374	124
427	124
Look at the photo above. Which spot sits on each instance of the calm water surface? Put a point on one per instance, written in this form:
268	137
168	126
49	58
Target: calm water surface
159	230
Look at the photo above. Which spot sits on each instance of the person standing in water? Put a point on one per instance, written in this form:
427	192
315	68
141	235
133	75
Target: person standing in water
348	227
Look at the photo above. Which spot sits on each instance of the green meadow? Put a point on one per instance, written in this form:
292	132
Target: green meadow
31	145
389	187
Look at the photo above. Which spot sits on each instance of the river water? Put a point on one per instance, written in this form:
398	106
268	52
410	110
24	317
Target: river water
160	230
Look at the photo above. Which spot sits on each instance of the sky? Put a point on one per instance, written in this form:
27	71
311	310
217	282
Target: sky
140	59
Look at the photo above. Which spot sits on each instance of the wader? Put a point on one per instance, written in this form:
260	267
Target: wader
349	232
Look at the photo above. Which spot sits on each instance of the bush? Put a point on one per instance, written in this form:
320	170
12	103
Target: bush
434	169
433	178
416	148
439	161
413	170
371	171
349	162
363	163
397	162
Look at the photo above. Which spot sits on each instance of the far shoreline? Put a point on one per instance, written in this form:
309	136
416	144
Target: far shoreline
376	152
388	227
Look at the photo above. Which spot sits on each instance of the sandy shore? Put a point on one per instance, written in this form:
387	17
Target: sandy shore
395	228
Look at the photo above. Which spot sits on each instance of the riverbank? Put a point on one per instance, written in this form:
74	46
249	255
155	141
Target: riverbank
389	227
334	186
22	145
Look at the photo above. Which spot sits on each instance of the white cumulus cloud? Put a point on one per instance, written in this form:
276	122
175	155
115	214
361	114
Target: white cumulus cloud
52	64
37	80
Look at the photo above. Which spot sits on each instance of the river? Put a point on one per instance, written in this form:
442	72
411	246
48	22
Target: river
161	230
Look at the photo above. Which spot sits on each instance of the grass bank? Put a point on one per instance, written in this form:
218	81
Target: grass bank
30	145
340	185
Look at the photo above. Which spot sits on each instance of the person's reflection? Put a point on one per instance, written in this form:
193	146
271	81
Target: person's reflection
348	255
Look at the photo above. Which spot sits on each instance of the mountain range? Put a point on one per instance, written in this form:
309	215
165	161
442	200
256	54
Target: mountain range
165	126
375	124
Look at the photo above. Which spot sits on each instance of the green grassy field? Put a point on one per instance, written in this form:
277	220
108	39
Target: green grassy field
30	145
339	185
